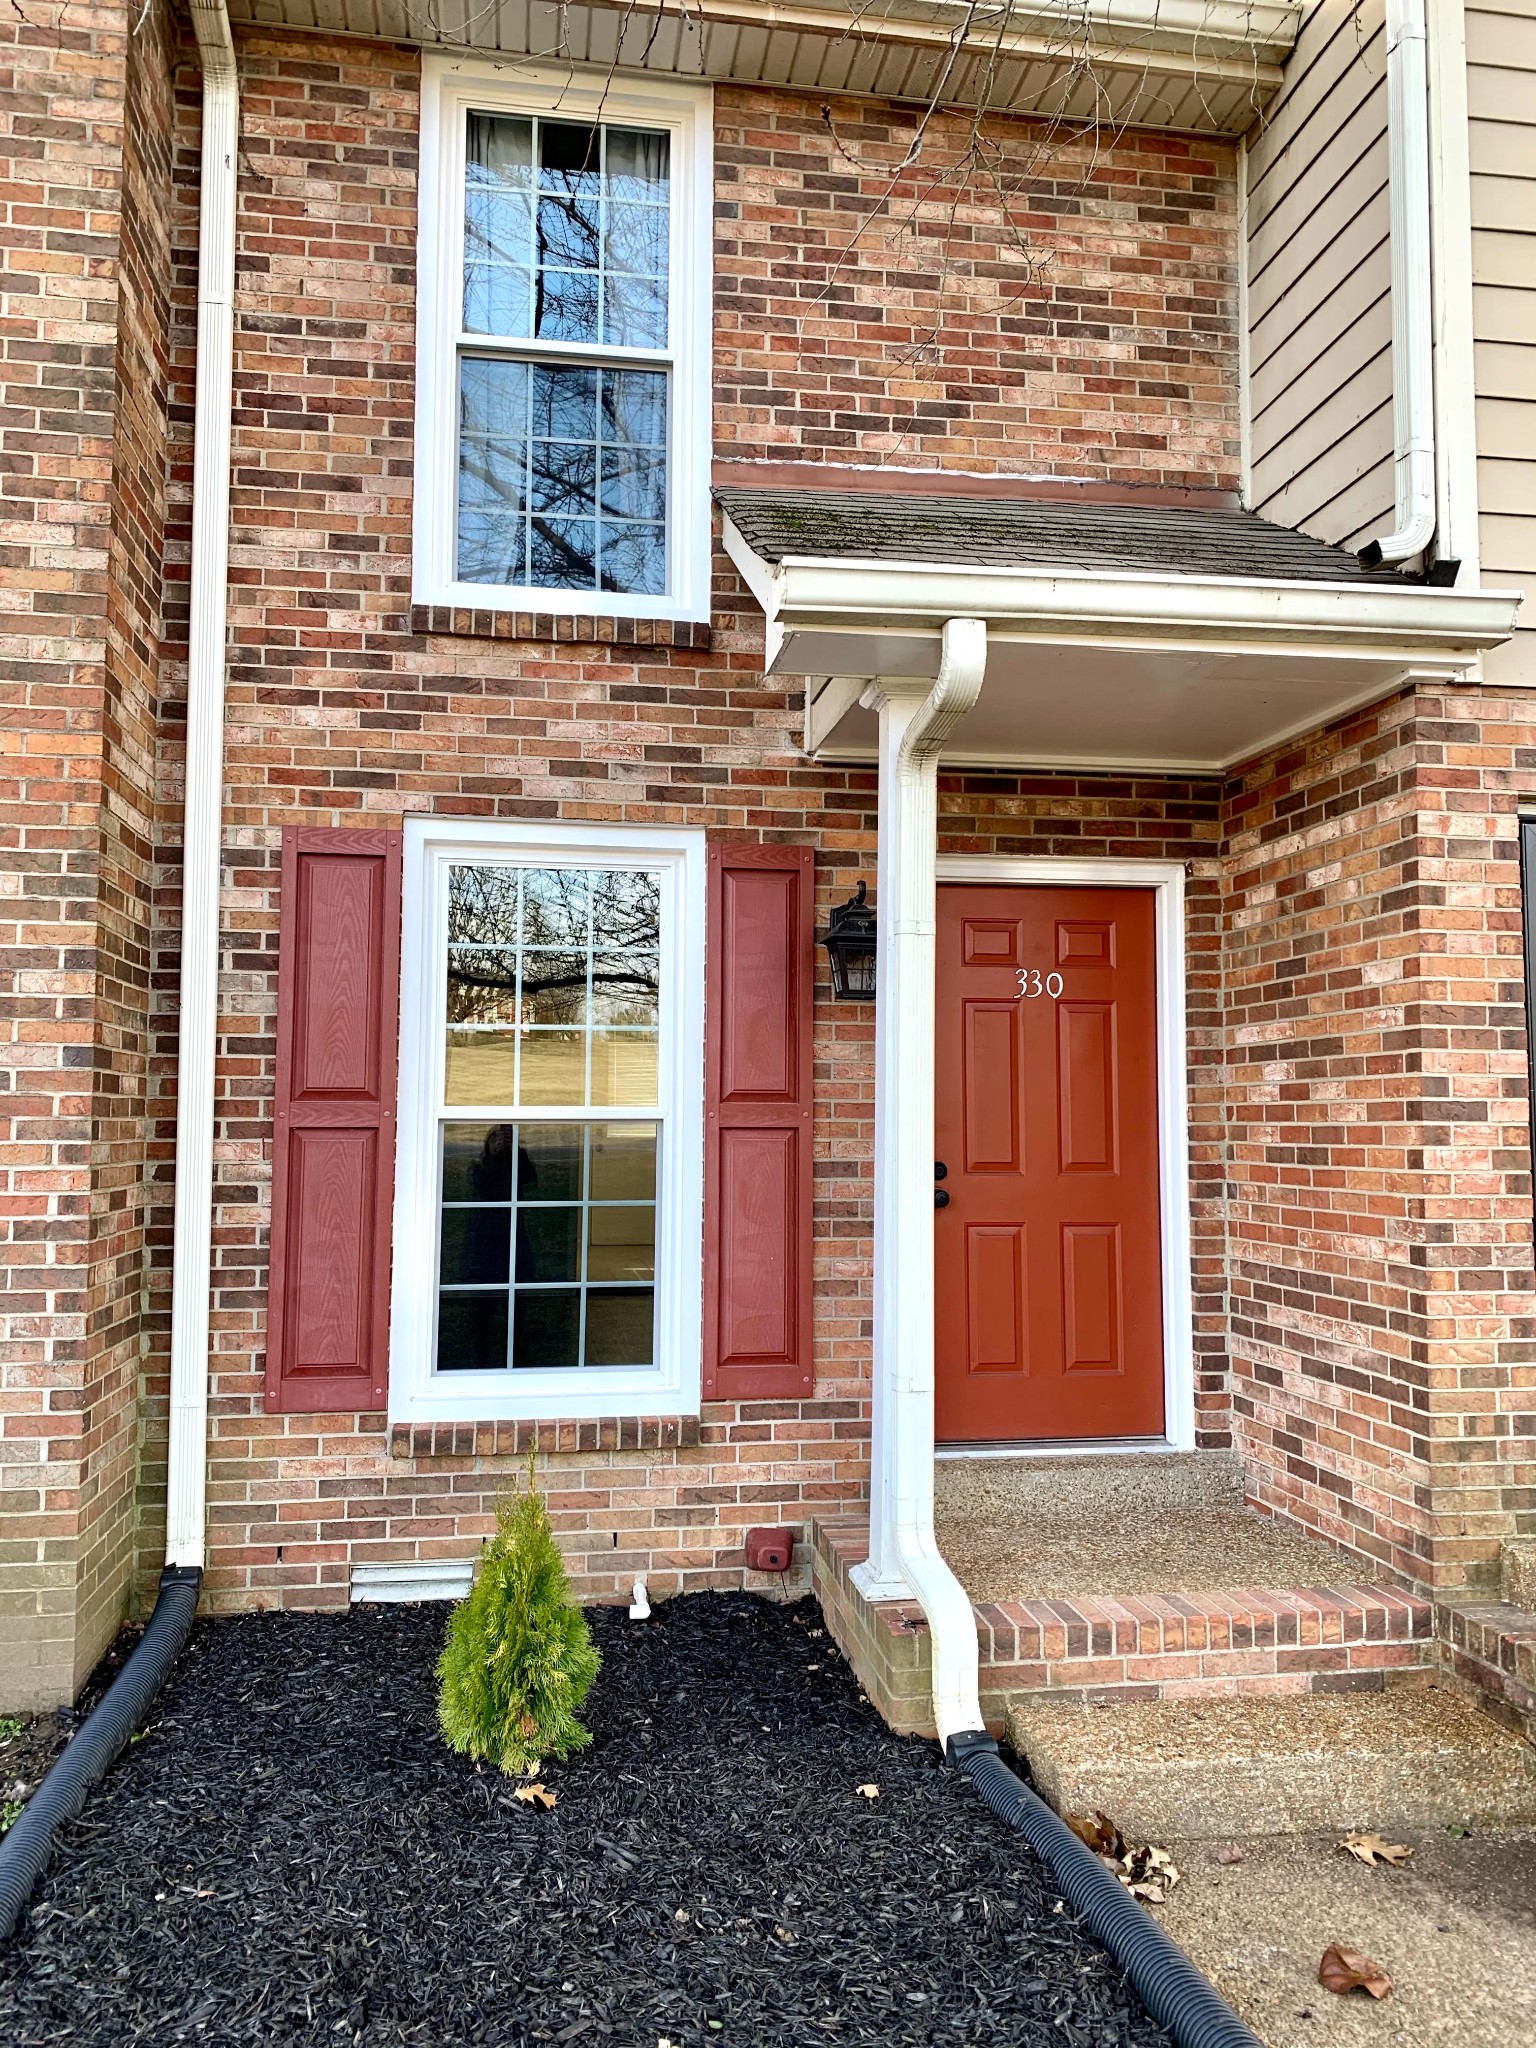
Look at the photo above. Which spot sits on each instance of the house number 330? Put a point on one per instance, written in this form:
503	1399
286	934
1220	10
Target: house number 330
1033	983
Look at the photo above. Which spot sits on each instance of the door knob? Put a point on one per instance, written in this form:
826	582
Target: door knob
941	1198
940	1170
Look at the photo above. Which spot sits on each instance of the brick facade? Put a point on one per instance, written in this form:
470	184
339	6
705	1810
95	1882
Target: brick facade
85	135
1379	1252
1100	346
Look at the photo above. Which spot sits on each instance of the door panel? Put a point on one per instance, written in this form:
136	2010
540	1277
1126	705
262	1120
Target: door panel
991	1083
1086	1072
1049	1251
995	1296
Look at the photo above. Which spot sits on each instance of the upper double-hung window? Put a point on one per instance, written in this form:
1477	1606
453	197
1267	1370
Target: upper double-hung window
563	425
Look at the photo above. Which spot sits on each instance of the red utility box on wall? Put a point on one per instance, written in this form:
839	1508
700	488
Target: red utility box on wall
770	1550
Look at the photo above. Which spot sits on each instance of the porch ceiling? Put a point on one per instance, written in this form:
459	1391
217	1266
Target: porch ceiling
1203	66
1162	663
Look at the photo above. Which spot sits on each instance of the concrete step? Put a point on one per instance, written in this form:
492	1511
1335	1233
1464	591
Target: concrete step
1086	1647
1411	1756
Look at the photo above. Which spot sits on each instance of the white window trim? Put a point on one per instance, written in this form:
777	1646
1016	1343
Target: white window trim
670	1387
450	86
1166	880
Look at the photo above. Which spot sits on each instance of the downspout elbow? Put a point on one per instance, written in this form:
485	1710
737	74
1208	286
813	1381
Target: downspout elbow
962	669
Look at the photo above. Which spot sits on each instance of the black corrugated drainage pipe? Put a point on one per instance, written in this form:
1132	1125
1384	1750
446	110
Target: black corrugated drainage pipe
97	1743
1162	1976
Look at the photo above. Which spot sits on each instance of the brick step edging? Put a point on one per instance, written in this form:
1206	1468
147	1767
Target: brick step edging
1245	1639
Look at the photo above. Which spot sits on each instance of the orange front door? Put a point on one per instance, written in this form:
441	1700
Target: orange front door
1049	1253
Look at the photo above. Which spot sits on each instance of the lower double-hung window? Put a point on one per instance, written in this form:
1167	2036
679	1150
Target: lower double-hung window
563	429
547	1238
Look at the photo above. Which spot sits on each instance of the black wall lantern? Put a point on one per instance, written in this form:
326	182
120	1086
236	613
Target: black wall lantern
850	944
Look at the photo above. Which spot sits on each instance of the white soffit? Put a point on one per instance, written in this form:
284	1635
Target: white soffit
1105	670
1179	64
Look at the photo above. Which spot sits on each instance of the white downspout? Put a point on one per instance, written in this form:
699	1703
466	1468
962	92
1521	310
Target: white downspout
1413	384
1450	201
186	1480
904	1561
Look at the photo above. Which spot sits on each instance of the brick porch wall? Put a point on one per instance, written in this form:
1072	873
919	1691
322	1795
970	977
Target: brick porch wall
1376	1099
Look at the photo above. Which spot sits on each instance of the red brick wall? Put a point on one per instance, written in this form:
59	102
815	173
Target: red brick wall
337	713
1016	299
1380	1232
82	244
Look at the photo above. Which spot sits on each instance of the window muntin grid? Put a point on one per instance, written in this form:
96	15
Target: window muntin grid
547	1224
562	467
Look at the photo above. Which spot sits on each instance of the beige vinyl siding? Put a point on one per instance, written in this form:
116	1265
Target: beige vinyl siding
1501	103
1319	284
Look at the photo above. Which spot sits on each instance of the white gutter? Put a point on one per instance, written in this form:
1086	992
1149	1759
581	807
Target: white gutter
1413	382
904	1560
186	1481
813	593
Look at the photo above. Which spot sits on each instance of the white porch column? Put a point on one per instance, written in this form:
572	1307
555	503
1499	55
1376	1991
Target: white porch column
904	1561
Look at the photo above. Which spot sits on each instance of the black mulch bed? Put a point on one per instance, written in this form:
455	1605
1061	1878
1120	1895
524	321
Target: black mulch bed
291	1855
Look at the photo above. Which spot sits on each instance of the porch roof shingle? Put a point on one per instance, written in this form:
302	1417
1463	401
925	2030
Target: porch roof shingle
1034	533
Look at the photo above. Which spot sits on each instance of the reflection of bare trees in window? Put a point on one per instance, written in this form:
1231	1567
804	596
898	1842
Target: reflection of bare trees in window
569	930
482	906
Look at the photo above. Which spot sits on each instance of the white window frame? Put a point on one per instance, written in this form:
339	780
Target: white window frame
450	88
417	1392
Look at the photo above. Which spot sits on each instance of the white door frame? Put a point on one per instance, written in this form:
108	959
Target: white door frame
1166	879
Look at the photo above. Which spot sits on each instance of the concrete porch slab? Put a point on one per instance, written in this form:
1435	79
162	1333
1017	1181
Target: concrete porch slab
1041	1528
1424	1756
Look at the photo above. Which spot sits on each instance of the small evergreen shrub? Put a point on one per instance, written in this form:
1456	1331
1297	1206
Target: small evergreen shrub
519	1658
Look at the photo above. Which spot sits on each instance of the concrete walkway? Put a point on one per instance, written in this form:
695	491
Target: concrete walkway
1455	1930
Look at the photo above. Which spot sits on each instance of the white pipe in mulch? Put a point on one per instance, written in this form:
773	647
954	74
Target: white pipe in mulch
27	1846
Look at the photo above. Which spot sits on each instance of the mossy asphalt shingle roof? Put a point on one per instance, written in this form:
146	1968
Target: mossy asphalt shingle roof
1035	533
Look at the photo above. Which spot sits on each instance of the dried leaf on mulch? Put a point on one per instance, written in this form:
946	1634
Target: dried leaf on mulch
1345	1969
868	1791
1371	1850
529	1793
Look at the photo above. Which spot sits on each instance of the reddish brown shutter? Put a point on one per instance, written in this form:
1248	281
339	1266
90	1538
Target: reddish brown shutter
334	1149
757	1183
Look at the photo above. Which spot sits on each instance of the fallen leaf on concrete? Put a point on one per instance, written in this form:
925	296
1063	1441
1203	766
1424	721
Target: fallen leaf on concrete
1229	1852
1099	1832
529	1793
1371	1849
868	1791
1345	1969
1148	1873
